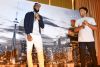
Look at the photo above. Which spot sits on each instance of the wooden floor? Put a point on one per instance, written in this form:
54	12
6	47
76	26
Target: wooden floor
35	65
13	65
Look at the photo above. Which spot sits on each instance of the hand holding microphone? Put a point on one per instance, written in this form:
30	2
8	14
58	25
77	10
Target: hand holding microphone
82	26
37	16
70	33
85	23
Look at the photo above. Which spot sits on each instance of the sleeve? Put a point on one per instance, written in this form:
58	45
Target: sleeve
41	22
26	24
77	23
66	32
93	21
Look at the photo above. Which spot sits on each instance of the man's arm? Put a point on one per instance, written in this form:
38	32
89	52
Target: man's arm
26	23
93	27
78	28
41	23
26	26
69	32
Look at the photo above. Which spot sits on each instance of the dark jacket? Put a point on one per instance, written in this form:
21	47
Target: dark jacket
29	21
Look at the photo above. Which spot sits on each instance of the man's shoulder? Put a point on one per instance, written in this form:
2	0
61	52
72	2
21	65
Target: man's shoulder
85	18
31	12
91	18
79	20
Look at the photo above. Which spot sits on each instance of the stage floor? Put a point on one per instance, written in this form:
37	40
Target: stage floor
36	65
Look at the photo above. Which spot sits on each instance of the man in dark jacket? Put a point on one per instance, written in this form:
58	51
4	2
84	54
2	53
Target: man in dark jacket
33	23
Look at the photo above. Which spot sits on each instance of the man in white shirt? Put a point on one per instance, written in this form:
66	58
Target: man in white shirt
85	27
33	23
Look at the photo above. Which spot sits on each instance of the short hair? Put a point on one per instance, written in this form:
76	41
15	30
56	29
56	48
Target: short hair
73	20
84	8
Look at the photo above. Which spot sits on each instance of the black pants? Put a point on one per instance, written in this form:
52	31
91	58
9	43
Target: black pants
91	50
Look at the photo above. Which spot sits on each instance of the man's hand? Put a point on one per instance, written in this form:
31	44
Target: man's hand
29	37
93	27
79	28
85	23
37	16
70	33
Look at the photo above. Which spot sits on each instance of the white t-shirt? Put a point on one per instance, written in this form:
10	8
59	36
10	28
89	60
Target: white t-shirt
85	34
36	28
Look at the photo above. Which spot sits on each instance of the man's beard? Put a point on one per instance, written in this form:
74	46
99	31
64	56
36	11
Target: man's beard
36	10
